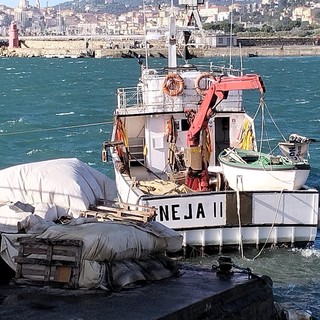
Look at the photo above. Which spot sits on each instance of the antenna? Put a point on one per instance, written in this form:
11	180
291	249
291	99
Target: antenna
241	60
231	42
145	33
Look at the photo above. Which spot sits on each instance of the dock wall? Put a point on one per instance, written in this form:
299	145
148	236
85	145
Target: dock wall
102	48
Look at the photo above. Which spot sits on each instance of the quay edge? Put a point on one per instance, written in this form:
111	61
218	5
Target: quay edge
196	294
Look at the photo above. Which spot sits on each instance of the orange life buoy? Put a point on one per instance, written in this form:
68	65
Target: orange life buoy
173	84
202	90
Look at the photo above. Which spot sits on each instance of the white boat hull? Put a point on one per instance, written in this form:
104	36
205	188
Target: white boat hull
247	179
211	218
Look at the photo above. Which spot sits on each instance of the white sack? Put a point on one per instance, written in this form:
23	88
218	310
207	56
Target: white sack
10	215
92	274
47	211
68	183
34	224
9	247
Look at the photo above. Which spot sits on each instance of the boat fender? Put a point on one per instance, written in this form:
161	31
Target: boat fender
173	84
206	76
104	156
168	128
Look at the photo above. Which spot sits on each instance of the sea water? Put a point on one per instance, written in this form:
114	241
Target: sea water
62	108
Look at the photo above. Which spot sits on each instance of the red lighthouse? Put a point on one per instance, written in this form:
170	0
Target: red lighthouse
13	36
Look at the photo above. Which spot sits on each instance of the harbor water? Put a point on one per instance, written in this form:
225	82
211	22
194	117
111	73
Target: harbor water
62	108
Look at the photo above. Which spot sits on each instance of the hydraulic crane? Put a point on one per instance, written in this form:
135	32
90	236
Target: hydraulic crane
197	175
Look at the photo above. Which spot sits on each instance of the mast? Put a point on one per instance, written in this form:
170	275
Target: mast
172	46
145	33
230	36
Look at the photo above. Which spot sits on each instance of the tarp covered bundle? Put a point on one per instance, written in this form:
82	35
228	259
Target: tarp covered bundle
114	254
68	183
53	188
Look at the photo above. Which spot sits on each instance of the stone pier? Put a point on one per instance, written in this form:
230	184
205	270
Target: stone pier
114	48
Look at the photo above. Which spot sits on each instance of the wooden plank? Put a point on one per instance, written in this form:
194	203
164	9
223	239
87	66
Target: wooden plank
76	271
62	274
117	204
119	211
66	242
35	249
111	217
69	251
40	283
125	207
48	268
42	262
37	270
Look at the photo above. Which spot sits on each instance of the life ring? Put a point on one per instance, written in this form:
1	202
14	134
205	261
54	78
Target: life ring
173	84
203	90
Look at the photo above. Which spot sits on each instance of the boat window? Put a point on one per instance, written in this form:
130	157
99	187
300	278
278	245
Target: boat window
184	125
222	136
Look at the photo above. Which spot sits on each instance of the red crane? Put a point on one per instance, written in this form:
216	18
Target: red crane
199	179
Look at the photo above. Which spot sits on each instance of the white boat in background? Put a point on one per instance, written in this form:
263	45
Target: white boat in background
168	133
248	170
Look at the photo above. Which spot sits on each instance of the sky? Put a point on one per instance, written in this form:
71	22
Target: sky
14	3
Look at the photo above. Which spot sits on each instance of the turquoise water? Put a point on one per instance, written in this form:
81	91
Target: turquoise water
53	108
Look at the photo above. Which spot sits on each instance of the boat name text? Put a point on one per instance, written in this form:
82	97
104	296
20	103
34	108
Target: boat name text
194	211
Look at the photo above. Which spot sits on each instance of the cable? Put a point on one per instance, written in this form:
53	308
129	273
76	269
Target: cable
273	121
271	228
239	220
57	128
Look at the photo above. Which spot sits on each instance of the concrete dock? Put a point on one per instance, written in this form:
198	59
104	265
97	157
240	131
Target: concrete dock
195	294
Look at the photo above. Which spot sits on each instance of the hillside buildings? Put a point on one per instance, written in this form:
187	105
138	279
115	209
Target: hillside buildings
32	19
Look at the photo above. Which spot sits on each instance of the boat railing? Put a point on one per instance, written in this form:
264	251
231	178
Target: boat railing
129	97
224	70
147	99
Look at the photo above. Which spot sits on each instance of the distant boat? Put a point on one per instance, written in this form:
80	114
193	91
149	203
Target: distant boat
132	54
61	56
126	55
251	55
247	170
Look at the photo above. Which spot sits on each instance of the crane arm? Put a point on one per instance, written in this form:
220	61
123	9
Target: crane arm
217	92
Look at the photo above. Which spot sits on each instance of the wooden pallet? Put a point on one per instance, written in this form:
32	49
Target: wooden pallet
116	211
46	262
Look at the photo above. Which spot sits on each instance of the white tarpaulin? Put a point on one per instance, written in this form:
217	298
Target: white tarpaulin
66	183
36	195
10	216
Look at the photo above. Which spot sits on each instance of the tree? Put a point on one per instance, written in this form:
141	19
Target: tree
266	28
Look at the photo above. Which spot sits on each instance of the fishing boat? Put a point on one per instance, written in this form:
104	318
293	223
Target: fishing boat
168	133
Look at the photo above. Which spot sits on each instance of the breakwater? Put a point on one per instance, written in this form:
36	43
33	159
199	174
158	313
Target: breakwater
116	47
